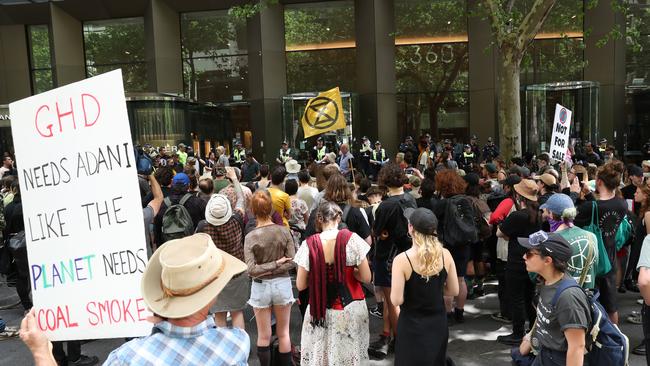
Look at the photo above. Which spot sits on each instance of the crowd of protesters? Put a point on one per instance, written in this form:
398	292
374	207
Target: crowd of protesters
353	226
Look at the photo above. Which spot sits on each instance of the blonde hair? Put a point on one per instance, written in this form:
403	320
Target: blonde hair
430	253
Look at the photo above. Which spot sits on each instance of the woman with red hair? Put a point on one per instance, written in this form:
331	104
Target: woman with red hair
269	250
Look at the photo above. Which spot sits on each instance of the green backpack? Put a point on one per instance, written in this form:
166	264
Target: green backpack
603	266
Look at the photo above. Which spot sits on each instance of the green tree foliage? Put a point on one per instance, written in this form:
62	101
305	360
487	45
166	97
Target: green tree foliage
40	58
117	43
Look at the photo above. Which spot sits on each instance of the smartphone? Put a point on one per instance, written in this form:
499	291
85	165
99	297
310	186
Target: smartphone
580	177
409	170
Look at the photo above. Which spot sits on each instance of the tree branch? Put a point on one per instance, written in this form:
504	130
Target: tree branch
532	23
496	18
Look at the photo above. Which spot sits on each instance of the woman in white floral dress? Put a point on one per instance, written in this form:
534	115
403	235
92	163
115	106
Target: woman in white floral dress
332	264
299	210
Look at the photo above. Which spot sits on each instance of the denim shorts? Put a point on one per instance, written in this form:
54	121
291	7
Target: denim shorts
275	291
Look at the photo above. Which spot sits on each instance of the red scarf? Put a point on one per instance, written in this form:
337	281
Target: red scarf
318	273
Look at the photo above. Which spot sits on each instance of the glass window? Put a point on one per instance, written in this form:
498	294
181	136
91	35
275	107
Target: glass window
432	66
553	60
557	53
114	44
637	63
40	58
215	67
320	45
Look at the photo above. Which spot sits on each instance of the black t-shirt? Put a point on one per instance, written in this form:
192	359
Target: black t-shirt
390	226
517	225
610	215
423	202
628	191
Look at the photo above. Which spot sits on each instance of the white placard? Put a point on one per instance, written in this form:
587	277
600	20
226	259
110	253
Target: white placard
82	211
561	129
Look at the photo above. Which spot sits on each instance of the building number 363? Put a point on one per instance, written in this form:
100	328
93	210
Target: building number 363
445	54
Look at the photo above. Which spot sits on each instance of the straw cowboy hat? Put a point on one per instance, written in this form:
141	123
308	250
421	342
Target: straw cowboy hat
185	275
527	188
292	166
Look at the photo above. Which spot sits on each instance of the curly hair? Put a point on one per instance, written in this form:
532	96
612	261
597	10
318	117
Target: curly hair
391	175
449	183
337	189
610	174
164	176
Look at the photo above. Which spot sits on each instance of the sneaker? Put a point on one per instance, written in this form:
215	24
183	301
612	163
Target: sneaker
621	290
639	350
459	315
84	361
451	318
510	339
378	350
635	318
377	311
631	286
639	301
500	318
391	346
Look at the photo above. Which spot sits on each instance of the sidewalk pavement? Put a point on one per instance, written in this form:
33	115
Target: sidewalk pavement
470	344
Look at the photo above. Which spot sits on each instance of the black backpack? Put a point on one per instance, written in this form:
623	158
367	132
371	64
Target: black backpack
459	227
176	221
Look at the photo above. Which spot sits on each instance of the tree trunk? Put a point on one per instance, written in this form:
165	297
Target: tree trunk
509	107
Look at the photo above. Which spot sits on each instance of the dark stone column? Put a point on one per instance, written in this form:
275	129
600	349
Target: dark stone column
375	51
268	80
67	47
14	64
606	65
482	76
163	48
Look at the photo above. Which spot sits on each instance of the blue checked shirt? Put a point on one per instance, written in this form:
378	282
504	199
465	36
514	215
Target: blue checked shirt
202	344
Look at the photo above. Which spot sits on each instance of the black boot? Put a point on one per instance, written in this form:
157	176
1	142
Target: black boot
264	354
285	358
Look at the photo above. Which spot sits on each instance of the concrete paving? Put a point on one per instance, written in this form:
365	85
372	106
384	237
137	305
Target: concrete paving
470	344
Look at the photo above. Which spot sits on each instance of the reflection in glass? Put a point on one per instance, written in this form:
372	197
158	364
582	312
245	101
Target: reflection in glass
318	70
432	67
429	19
215	67
117	43
40	58
443	116
553	60
319	25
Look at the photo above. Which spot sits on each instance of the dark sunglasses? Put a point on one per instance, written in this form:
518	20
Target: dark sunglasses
530	254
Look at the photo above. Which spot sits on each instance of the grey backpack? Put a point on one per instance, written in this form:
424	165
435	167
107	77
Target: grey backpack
177	222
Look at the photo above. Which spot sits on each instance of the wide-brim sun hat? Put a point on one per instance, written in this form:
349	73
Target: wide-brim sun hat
218	210
292	166
527	188
185	275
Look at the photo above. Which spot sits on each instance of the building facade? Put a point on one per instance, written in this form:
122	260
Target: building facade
195	72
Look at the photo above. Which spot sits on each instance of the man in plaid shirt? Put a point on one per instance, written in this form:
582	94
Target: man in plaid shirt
200	272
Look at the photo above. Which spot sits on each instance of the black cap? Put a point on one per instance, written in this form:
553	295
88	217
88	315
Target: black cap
447	141
377	142
408	138
285	142
468	146
635	171
511	180
474	137
423	220
472	179
320	138
550	244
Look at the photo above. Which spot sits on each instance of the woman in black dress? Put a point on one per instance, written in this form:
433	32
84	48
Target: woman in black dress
421	276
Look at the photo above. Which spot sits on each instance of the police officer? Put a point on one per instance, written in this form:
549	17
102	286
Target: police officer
238	154
467	159
490	150
319	150
285	153
602	147
365	154
476	149
409	147
377	160
646	150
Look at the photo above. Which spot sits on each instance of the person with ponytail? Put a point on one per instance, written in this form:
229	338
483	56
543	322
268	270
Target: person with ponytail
332	264
421	277
611	210
559	212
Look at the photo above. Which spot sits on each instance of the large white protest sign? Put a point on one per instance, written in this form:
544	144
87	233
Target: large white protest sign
82	211
561	129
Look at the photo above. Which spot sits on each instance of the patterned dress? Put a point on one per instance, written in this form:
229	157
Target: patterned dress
344	341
